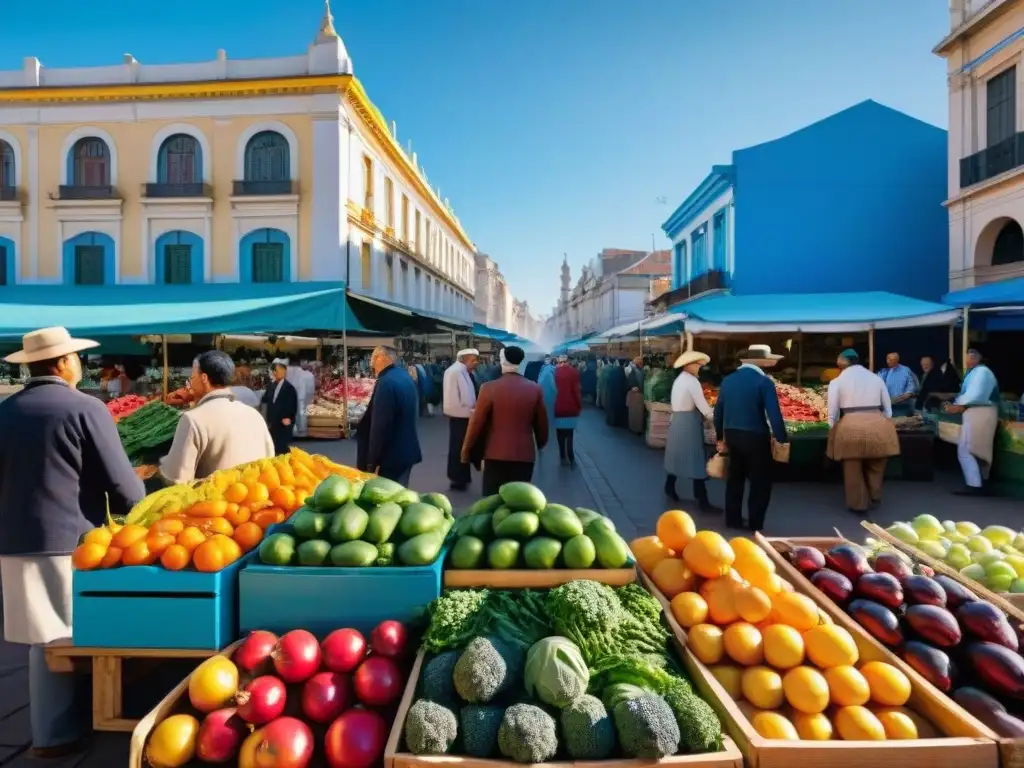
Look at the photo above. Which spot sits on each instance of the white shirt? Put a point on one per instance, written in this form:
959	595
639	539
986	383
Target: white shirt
246	395
277	389
459	396
687	395
857	387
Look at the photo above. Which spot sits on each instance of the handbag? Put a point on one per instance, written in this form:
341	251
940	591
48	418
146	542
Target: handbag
717	466
780	452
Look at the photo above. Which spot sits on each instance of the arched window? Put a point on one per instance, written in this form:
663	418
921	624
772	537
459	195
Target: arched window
6	165
179	161
267	157
265	256
1009	245
91	163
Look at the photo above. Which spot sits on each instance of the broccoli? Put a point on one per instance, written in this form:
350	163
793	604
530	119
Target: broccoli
385	554
486	668
699	727
436	679
617	692
479	728
454	618
527	734
430	728
647	727
588	731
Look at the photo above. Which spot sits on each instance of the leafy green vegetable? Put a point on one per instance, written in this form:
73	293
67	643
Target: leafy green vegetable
454	618
555	672
699	727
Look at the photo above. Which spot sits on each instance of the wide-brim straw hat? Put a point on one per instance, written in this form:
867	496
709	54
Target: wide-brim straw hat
688	358
49	344
759	354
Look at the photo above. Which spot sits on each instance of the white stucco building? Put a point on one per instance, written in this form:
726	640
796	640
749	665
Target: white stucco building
493	300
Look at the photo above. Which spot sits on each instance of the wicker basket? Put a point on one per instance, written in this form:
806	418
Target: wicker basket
657	424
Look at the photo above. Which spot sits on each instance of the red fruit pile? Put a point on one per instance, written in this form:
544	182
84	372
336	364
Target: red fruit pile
299	698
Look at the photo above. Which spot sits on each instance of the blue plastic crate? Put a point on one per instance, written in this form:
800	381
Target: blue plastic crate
144	606
324	598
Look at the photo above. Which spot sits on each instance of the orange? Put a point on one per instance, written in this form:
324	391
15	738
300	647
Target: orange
208	509
743	643
744	547
190	538
783	646
268	517
708	555
138	554
256	493
649	551
830	646
730	677
762	687
806	690
129	535
897	725
219	525
237	515
689	609
798	611
720	595
889	686
208	557
283	498
816	727
270	478
675	529
847	687
175	557
158	542
672	577
100	536
248	536
857	724
752	604
231	549
705	640
88	556
112	558
756	568
167	525
236	493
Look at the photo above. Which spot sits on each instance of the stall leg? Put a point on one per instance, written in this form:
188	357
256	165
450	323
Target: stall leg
871	349
164	342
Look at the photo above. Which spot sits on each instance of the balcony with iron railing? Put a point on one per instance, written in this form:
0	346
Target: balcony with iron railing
713	280
87	192
263	188
166	190
992	161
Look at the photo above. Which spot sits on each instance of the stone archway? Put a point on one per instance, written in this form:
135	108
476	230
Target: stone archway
1000	243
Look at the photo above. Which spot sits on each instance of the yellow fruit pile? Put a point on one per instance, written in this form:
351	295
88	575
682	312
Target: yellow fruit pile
795	673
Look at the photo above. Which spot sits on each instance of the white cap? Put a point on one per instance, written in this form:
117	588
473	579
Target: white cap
464	352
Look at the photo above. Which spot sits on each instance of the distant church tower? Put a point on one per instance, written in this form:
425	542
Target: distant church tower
565	279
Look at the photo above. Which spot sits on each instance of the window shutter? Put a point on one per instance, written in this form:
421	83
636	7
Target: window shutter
3	265
177	264
89	265
268	263
1001	107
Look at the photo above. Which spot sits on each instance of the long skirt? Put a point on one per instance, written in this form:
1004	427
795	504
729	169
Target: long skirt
458	473
863	435
684	448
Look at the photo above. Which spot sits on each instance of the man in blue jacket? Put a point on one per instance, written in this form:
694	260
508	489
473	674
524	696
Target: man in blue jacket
387	442
747	414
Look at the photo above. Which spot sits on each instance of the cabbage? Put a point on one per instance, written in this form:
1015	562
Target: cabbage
660	384
555	672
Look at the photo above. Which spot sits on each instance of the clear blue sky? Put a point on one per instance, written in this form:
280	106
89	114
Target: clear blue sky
552	125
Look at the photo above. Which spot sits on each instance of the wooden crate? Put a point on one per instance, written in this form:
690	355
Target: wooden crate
925	698
729	757
526	579
107	669
965	746
169	705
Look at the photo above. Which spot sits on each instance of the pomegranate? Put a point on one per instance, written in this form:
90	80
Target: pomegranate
378	681
220	736
343	649
356	739
389	639
261	700
254	652
325	696
287	743
296	656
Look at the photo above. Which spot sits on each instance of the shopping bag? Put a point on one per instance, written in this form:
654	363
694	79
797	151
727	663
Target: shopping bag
780	452
717	466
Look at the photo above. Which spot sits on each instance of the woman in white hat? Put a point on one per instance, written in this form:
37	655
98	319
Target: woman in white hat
684	450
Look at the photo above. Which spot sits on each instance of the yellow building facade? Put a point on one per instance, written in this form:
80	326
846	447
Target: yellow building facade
231	171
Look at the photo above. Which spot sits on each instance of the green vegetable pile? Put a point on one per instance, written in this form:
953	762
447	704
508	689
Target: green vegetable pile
578	672
364	524
150	426
518	528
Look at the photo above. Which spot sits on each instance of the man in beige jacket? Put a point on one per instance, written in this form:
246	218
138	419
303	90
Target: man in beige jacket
220	432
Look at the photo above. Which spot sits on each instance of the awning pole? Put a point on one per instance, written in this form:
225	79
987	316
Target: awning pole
799	359
871	349
164	342
966	341
344	376
952	342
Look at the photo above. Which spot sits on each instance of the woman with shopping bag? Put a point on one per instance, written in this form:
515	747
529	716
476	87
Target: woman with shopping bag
684	450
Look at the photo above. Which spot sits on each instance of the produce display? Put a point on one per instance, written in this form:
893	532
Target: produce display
796	674
120	407
579	672
962	645
289	701
330	397
209	524
372	522
993	557
518	528
801	403
147	427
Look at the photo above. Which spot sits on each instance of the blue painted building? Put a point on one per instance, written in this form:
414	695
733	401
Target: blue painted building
850	203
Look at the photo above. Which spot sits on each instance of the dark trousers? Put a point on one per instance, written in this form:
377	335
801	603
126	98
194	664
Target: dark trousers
458	473
700	490
750	460
282	437
497	473
402	477
565	439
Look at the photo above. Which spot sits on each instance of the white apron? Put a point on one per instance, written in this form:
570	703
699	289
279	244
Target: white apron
37	598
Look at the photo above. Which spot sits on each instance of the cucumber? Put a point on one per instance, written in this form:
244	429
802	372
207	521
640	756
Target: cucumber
612	551
579	553
420	518
524	497
518	525
486	504
422	549
468	552
354	554
377	490
382	523
348	523
560	522
313	552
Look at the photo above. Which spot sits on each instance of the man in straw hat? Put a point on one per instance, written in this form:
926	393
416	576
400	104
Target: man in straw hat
747	415
684	448
459	400
861	436
61	461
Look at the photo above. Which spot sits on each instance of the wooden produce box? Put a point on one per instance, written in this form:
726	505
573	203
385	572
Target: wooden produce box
926	699
658	421
146	606
174	702
968	743
528	579
395	757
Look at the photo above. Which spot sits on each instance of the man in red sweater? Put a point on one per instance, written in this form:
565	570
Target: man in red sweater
568	404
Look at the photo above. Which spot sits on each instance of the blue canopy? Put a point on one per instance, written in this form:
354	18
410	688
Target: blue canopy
1003	293
812	312
486	332
207	308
